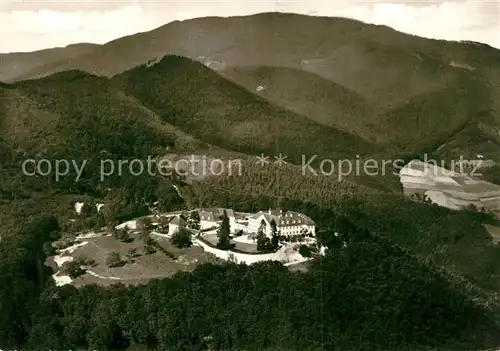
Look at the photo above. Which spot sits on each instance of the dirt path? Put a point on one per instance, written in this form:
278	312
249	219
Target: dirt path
157	276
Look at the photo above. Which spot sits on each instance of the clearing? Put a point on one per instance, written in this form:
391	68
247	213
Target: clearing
139	269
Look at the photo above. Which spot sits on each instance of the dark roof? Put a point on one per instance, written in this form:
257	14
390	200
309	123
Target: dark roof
177	220
215	213
285	218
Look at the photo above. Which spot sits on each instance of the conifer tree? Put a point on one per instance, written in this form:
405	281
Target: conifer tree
223	233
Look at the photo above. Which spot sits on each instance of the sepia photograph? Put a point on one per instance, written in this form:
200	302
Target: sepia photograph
231	175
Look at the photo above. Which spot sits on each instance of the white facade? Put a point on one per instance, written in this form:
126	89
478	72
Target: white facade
211	218
254	224
287	223
172	228
240	225
207	224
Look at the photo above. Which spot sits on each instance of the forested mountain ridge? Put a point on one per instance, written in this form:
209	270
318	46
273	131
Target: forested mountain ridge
176	104
198	100
18	63
398	274
403	89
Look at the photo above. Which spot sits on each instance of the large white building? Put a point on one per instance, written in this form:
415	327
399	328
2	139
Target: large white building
288	223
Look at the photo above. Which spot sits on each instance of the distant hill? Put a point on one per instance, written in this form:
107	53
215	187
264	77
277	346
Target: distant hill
269	83
400	94
76	112
351	53
177	103
404	93
200	102
16	64
310	95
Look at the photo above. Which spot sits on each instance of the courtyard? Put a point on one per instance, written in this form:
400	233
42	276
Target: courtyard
240	243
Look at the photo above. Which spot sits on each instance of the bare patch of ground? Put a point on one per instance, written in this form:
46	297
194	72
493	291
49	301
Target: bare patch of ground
301	267
51	263
494	231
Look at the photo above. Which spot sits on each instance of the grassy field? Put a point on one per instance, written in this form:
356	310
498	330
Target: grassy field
213	239
141	268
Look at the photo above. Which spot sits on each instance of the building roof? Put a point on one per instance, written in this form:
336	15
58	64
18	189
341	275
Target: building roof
177	220
214	213
285	218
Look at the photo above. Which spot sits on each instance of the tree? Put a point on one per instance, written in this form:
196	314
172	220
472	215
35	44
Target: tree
274	244
472	208
263	242
307	251
168	196
426	199
100	221
89	209
282	204
131	254
115	204
72	269
182	238
149	245
122	234
85	261
111	225
89	222
163	225
194	220
145	223
114	260
223	233
48	249
262	227
145	226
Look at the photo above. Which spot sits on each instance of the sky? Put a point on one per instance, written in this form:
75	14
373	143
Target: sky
28	25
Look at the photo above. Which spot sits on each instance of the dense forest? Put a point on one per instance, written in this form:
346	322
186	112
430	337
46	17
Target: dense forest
199	101
338	304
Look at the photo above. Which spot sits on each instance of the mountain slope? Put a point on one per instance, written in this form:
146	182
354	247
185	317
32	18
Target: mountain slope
349	52
420	123
309	95
80	119
199	101
404	93
427	118
80	113
177	103
362	79
13	65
